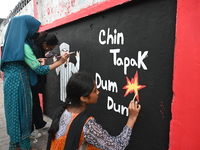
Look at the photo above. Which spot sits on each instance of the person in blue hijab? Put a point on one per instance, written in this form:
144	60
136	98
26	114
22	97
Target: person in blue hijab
20	67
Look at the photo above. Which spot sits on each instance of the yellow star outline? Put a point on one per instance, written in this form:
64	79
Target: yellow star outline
132	86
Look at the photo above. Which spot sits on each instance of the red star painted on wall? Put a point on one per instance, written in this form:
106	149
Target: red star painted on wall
133	86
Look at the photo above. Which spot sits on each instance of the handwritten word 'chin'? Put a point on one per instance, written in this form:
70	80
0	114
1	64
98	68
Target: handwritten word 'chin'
111	105
126	62
108	38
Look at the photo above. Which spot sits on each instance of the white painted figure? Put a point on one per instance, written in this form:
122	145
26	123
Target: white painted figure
66	70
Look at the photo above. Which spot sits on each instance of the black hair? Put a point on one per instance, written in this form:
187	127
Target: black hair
79	84
50	38
35	36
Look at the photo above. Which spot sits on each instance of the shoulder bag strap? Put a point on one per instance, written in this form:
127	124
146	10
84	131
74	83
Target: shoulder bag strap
75	130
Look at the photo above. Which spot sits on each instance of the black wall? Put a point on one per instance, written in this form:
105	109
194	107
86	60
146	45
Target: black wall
148	26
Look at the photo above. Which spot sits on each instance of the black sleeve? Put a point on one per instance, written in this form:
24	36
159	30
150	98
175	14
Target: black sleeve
38	52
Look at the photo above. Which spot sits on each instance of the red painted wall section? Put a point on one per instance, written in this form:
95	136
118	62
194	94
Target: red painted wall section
185	123
35	9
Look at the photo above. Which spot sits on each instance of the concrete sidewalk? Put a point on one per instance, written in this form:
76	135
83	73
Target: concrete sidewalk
37	144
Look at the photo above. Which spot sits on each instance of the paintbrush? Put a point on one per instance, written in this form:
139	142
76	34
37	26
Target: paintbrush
69	54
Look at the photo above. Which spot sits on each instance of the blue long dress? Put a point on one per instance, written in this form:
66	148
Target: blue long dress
18	105
20	66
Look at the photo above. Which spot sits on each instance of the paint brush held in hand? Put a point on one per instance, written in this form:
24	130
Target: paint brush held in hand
134	98
69	54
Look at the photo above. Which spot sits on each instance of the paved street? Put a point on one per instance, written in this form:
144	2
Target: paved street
37	144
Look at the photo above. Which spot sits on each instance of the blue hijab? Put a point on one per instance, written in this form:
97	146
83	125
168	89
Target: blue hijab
20	31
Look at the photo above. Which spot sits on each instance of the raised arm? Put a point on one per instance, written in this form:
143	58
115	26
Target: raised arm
35	65
95	135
